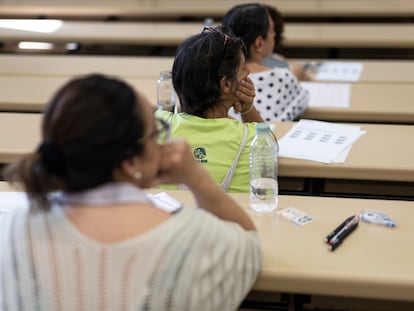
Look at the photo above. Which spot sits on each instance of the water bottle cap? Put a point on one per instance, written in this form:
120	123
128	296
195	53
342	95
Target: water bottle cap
262	127
165	75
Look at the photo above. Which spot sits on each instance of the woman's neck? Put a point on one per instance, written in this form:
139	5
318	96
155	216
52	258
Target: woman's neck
254	67
216	113
220	110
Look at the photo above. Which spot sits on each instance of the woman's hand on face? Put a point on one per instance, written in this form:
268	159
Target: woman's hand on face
177	164
245	94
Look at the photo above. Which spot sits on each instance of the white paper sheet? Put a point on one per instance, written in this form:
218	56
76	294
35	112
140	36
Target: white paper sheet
11	199
165	202
339	71
319	141
336	95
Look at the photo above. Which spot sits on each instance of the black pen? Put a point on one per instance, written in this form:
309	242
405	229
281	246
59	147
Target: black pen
337	229
343	233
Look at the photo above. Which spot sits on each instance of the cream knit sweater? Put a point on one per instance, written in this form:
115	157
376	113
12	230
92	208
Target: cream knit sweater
193	261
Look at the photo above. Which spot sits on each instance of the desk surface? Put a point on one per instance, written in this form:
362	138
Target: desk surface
387	103
371	102
373	262
38	90
178	8
378	71
173	33
384	153
69	65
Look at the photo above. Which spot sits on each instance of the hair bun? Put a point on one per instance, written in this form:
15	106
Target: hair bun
52	157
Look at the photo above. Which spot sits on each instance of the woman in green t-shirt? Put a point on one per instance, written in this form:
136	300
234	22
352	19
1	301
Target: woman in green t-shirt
210	77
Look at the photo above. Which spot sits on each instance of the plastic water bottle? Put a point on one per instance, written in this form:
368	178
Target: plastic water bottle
263	170
165	92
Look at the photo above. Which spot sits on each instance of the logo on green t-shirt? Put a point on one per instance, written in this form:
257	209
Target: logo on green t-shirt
200	154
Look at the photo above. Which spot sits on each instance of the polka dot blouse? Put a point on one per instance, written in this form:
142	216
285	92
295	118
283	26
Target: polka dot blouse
279	95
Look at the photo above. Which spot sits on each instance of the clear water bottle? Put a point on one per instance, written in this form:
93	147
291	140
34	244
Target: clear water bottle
166	97
263	170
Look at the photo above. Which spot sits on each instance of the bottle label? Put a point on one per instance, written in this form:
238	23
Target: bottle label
263	194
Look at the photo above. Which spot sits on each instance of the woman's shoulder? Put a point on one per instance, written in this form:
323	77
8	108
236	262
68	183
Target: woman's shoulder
270	74
272	62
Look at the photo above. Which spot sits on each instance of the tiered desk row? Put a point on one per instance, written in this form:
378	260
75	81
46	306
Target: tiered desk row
383	93
383	155
172	33
180	8
380	164
373	268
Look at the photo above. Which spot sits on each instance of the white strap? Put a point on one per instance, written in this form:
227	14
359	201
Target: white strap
229	176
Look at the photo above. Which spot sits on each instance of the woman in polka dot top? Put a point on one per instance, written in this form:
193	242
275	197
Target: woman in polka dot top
279	95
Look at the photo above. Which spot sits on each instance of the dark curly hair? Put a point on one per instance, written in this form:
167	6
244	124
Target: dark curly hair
200	63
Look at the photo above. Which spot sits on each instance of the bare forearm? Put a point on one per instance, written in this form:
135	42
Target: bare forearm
211	198
252	116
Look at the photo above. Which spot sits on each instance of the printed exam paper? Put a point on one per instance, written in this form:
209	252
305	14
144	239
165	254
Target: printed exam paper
319	141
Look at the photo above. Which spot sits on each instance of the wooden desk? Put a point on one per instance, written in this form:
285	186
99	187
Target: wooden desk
375	71
387	103
179	8
70	65
371	102
369	35
383	153
374	262
31	93
384	97
19	134
173	33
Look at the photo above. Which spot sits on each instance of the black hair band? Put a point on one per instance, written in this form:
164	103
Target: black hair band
52	158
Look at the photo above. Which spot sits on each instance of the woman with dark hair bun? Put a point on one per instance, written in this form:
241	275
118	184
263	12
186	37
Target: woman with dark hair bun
89	238
279	95
210	77
277	59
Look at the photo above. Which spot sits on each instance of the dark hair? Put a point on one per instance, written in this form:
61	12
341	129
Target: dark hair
279	27
248	21
200	63
90	125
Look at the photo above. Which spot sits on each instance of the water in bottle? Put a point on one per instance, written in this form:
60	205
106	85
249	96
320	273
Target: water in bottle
165	92
263	170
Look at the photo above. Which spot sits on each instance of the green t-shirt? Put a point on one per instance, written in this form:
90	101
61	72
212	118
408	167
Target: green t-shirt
215	144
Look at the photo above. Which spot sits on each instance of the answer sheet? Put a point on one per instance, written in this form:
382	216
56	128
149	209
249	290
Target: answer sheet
335	95
319	141
339	71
